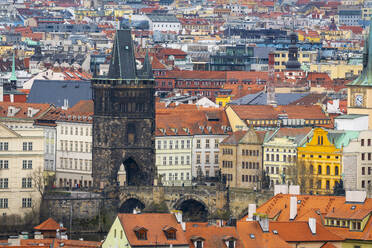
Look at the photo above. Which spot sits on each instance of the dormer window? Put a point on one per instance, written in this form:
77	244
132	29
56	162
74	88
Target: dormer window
141	233
198	241
170	232
229	241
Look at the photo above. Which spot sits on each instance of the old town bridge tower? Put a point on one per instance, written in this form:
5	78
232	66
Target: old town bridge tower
124	118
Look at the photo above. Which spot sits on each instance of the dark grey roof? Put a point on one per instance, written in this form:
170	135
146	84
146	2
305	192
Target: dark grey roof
122	65
163	18
56	91
123	61
260	98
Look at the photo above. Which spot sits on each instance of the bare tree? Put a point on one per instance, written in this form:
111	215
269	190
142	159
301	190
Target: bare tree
301	173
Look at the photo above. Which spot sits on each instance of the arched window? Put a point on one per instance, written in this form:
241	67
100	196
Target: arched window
131	133
319	169
336	171
311	169
328	170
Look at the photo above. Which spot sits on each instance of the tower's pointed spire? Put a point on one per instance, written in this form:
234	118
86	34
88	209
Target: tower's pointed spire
122	63
365	78
13	77
147	68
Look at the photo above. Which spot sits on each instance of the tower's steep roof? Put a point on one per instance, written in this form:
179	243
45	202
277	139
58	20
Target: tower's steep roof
122	65
365	78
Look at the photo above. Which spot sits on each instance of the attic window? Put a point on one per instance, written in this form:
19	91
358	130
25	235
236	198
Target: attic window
299	202
353	207
141	234
275	231
170	233
252	236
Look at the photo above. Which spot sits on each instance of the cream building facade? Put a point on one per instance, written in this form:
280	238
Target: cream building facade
280	153
357	162
74	151
21	164
173	159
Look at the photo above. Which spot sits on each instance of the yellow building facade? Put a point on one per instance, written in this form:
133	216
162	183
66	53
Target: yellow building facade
241	159
337	70
304	57
319	164
223	100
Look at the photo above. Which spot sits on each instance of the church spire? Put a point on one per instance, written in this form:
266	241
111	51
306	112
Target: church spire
365	78
13	77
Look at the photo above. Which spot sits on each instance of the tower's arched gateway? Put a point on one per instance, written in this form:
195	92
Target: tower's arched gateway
124	118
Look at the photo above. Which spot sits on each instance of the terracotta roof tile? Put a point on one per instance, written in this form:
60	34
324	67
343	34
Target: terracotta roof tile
154	223
212	235
49	225
251	234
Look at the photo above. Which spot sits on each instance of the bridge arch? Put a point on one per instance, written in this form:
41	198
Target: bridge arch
193	208
129	202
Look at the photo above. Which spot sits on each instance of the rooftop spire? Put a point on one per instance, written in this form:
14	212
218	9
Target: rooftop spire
365	78
147	70
13	77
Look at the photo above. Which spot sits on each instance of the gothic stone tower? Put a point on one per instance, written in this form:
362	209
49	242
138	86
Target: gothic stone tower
124	118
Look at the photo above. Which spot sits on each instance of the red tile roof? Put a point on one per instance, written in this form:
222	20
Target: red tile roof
320	207
213	235
49	225
59	242
154	223
23	109
268	112
187	119
251	234
299	231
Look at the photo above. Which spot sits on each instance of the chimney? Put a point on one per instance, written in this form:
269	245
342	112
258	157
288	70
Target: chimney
264	223
293	208
251	211
312	225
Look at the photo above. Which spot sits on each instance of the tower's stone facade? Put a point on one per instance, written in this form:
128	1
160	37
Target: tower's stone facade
124	118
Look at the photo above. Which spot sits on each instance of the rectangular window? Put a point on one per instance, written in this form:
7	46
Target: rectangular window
159	144
171	144
176	144
29	146
164	160
4	183
182	144
170	160
369	142
198	144
363	156
188	159
3	202
207	143
26	202
216	158
188	144
164	144
207	158
216	143
362	142
6	146
24	146
198	158
4	164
